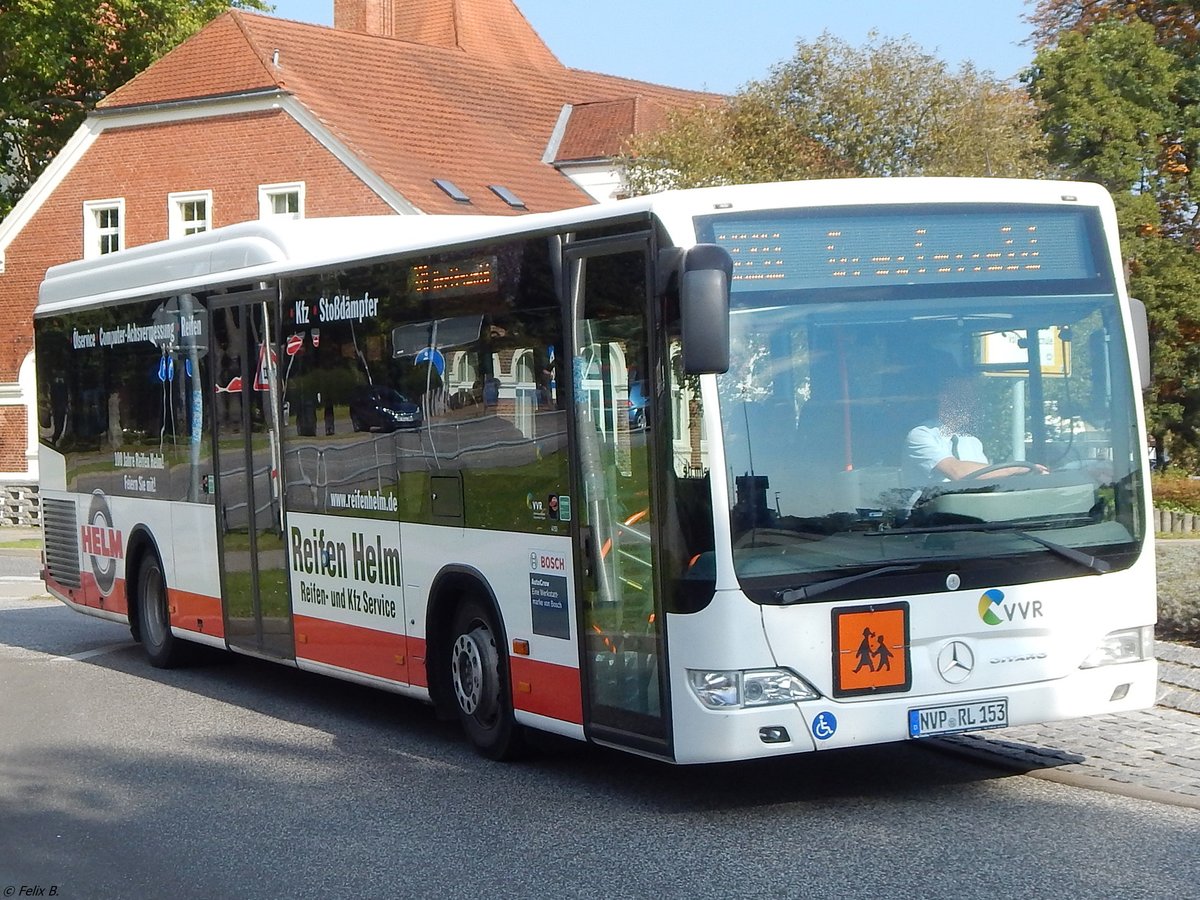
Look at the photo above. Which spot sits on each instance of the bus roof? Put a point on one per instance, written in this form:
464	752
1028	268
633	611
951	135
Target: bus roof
265	249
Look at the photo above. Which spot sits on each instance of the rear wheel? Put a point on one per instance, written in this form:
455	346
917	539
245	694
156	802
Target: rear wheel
478	676
163	649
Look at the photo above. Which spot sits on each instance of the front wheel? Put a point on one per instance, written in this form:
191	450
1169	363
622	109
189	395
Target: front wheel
478	675
163	649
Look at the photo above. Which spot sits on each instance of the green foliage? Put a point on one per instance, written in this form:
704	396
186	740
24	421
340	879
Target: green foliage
1165	275
1106	101
1146	54
58	58
890	108
832	110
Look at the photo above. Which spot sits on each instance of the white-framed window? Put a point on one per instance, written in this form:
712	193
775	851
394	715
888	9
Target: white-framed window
103	227
188	213
285	200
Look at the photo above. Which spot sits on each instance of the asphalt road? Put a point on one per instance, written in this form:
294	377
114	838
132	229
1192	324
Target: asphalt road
239	778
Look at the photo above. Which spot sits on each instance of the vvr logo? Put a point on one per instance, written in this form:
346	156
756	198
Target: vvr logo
994	611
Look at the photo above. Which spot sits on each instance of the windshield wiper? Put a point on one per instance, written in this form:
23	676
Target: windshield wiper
804	592
1097	565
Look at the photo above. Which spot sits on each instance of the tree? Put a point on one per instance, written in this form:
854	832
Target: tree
59	57
1165	274
1109	102
1176	26
887	108
1115	85
745	140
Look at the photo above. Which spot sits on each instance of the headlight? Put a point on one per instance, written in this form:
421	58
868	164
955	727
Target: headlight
740	689
772	686
1130	645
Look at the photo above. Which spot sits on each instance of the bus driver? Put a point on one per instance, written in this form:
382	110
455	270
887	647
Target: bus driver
941	448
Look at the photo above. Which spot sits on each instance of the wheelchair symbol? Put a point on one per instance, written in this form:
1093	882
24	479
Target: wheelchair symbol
824	726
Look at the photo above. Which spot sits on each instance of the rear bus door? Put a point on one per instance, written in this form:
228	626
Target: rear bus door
246	433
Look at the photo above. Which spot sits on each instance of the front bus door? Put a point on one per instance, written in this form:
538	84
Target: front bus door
623	652
246	439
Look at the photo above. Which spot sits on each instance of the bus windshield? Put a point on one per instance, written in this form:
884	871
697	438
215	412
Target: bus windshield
921	390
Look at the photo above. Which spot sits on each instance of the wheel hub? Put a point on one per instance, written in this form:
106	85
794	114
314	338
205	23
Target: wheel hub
473	671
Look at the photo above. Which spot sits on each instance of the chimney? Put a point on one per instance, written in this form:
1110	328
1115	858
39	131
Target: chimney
365	16
491	30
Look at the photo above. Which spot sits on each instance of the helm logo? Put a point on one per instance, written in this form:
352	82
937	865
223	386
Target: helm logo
102	543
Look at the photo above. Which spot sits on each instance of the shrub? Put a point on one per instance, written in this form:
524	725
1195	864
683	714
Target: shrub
1176	492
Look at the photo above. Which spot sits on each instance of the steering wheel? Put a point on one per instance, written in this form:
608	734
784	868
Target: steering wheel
996	467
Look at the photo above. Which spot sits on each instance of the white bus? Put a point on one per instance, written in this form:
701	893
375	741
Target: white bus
709	475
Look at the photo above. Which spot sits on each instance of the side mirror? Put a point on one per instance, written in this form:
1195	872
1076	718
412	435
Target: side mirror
704	309
1141	339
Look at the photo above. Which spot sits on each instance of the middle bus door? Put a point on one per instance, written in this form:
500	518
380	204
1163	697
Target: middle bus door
622	643
246	443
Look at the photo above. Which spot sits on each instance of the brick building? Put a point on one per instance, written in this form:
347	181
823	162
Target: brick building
404	106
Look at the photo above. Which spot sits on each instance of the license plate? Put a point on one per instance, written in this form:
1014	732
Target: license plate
954	717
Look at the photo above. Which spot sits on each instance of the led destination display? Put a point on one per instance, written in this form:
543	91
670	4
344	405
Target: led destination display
901	246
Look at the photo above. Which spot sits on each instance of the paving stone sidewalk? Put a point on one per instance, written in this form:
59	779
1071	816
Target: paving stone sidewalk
1153	754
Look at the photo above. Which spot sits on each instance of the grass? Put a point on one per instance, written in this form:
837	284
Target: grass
27	544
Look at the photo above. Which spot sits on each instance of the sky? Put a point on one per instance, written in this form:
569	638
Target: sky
720	45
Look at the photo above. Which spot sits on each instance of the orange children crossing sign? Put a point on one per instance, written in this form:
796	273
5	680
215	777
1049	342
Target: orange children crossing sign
870	650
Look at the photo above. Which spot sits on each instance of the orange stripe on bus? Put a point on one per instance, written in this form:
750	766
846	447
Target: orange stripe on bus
196	612
554	690
88	593
358	649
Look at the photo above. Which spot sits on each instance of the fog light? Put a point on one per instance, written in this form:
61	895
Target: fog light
774	734
716	690
1119	693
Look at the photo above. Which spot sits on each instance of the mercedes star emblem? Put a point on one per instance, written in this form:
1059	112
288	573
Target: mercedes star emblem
955	662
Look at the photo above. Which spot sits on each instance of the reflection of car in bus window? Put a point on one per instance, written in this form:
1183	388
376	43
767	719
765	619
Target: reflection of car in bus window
374	407
639	401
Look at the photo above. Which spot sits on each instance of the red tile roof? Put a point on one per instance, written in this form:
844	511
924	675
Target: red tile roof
413	111
599	130
218	60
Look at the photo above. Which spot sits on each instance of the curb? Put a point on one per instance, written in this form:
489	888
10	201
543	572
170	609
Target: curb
1017	762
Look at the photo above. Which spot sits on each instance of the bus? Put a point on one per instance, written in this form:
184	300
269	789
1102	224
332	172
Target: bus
653	474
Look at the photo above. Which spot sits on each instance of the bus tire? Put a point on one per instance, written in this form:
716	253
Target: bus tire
479	679
163	649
